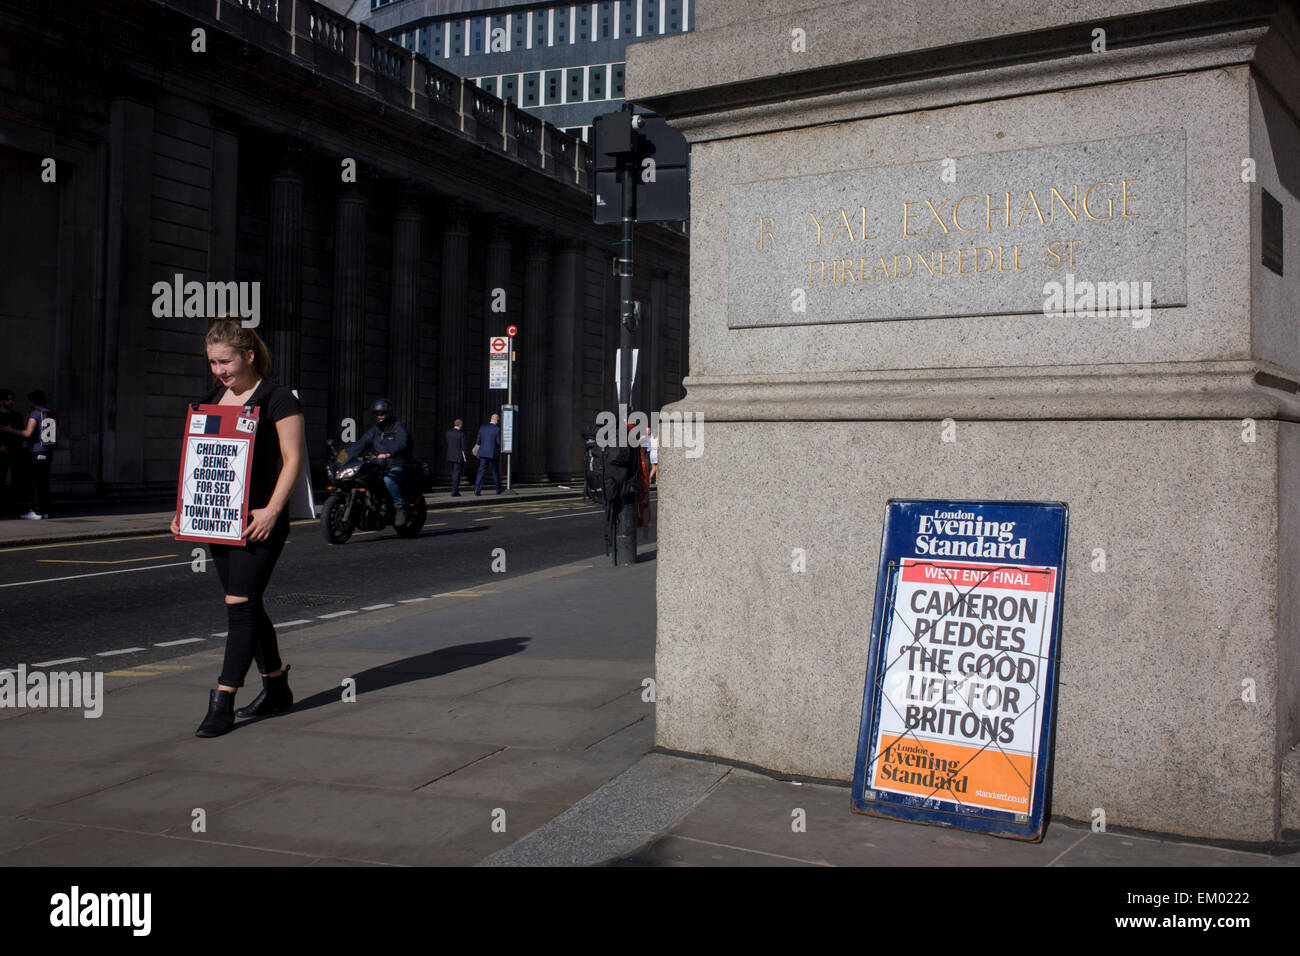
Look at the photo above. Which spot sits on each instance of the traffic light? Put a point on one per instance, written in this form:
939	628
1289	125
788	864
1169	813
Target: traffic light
657	161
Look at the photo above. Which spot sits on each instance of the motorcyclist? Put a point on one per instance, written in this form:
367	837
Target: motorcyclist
391	443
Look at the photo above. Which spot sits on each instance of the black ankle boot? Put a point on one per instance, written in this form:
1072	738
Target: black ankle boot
221	715
275	697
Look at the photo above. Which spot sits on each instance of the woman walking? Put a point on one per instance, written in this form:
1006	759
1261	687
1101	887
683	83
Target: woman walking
241	367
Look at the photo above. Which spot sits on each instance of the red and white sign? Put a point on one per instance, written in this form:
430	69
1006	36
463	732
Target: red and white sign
512	330
212	494
498	345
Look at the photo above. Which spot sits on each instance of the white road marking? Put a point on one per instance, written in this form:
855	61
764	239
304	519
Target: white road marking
576	515
326	617
124	650
222	634
412	600
183	640
61	660
292	623
376	607
94	574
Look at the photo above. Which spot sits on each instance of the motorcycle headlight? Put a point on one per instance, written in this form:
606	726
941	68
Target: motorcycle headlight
348	472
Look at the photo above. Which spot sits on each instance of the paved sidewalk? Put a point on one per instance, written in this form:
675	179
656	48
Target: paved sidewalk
676	811
479	715
86	522
500	725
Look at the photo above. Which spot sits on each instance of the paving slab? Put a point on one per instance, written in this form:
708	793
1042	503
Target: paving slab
529	775
162	802
34	782
682	851
308	756
563	691
523	725
16	833
357	823
93	846
619	817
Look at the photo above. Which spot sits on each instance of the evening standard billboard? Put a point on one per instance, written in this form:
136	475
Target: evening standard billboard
959	706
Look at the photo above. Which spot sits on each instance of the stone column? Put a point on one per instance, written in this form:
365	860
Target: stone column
533	342
403	347
347	365
127	299
283	300
454	316
225	203
562	423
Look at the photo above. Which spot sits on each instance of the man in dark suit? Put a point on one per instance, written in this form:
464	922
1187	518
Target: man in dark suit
457	454
489	446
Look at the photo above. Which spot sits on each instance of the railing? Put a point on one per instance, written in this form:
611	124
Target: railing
327	30
350	53
270	9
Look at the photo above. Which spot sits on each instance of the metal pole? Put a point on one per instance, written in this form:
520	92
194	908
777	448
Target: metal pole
625	514
510	401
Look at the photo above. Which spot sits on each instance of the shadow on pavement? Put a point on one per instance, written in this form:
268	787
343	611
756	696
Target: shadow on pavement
408	669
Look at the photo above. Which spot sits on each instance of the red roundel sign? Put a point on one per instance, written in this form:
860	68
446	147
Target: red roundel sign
498	345
512	330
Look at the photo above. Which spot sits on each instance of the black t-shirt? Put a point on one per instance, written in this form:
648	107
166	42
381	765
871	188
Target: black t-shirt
274	402
14	443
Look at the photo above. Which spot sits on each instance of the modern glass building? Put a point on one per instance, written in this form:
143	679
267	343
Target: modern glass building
562	61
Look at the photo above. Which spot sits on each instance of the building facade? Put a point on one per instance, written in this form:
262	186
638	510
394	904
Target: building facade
563	62
392	215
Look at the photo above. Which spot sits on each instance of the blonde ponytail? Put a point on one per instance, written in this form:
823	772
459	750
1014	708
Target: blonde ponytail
228	331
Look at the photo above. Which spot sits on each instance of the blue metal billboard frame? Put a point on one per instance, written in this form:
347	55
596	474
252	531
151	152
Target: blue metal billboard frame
1045	527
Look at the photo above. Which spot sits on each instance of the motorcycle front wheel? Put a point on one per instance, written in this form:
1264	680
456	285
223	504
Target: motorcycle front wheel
415	515
336	528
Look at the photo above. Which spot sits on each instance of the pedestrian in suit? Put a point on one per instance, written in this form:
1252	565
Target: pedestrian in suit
457	454
487	448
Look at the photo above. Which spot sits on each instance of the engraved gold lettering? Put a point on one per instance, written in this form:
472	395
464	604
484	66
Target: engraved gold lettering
902	275
907	218
1030	200
991	207
1125	196
955	208
1074	212
843	223
862	236
929	266
813	217
977	259
1110	203
938	218
766	232
943	255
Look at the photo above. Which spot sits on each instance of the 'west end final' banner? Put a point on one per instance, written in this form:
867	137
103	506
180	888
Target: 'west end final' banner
212	495
960	695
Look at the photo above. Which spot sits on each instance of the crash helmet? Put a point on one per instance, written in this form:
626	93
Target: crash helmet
383	411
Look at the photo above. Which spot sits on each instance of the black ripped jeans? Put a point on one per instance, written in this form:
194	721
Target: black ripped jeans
245	572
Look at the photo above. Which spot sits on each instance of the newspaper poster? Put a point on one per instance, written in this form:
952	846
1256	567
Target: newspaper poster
216	461
960	695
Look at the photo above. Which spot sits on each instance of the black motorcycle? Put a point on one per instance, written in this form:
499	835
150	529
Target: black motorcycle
358	497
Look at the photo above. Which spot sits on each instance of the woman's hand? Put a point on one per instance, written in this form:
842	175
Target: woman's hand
261	523
175	526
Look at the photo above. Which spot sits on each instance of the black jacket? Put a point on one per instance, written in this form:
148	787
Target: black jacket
457	449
